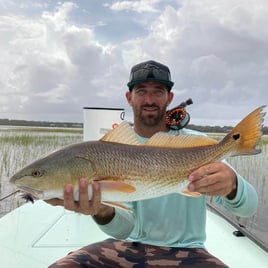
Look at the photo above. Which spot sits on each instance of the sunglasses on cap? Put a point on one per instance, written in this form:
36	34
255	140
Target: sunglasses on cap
150	71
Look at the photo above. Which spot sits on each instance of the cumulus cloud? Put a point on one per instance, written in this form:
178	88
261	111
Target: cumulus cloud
216	54
57	58
52	65
137	6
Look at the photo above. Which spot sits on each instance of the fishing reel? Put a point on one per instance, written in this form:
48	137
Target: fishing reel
177	118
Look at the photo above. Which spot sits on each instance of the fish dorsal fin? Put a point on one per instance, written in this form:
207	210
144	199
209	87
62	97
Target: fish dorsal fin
123	133
162	139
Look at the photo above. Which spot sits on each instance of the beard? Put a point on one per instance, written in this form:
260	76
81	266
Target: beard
149	115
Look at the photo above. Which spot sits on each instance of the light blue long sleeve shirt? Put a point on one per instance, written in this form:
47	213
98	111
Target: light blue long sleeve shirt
176	220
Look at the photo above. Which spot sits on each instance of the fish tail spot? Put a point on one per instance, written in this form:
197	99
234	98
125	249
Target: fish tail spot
236	136
247	133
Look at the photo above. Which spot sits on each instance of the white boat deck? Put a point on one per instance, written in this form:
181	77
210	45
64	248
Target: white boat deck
34	236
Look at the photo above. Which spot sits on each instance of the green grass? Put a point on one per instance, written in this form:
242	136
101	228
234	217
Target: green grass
47	130
264	140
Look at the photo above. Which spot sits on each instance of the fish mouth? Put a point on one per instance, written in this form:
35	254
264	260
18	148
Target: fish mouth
29	194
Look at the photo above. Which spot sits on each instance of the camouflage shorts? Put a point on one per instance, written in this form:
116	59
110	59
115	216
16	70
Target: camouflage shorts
113	253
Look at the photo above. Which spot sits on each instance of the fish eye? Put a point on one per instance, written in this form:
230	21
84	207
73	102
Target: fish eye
37	173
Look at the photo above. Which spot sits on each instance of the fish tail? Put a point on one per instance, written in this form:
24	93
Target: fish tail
247	133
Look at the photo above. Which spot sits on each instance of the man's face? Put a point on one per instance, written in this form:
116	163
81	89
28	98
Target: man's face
149	101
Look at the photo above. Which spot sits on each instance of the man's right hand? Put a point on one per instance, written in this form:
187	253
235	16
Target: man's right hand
102	214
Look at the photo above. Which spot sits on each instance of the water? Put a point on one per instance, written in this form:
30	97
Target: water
20	146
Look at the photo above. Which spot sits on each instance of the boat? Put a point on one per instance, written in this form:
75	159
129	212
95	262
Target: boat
36	235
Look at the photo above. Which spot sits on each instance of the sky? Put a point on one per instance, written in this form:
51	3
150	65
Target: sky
57	57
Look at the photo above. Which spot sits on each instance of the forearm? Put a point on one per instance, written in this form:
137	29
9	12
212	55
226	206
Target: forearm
233	193
245	203
118	225
105	215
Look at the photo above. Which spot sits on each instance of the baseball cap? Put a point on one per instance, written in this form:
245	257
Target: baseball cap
150	71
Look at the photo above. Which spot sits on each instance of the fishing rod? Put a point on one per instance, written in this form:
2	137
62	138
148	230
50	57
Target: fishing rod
9	195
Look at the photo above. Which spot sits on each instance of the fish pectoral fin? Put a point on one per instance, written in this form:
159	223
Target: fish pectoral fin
162	139
186	192
123	133
115	205
112	185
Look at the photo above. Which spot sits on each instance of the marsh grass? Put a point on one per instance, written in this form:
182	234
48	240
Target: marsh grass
264	140
20	146
253	168
43	130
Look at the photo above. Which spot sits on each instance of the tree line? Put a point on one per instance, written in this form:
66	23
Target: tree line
218	129
208	129
26	123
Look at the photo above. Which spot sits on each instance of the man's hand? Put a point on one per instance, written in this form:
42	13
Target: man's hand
214	179
102	214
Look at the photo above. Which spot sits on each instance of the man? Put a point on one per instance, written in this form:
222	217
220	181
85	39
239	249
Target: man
165	231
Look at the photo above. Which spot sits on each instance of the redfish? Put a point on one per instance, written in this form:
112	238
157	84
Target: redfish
130	171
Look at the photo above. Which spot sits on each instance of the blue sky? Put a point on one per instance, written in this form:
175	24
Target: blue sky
58	57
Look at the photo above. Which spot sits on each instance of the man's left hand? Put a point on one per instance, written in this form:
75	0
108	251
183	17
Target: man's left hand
214	179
